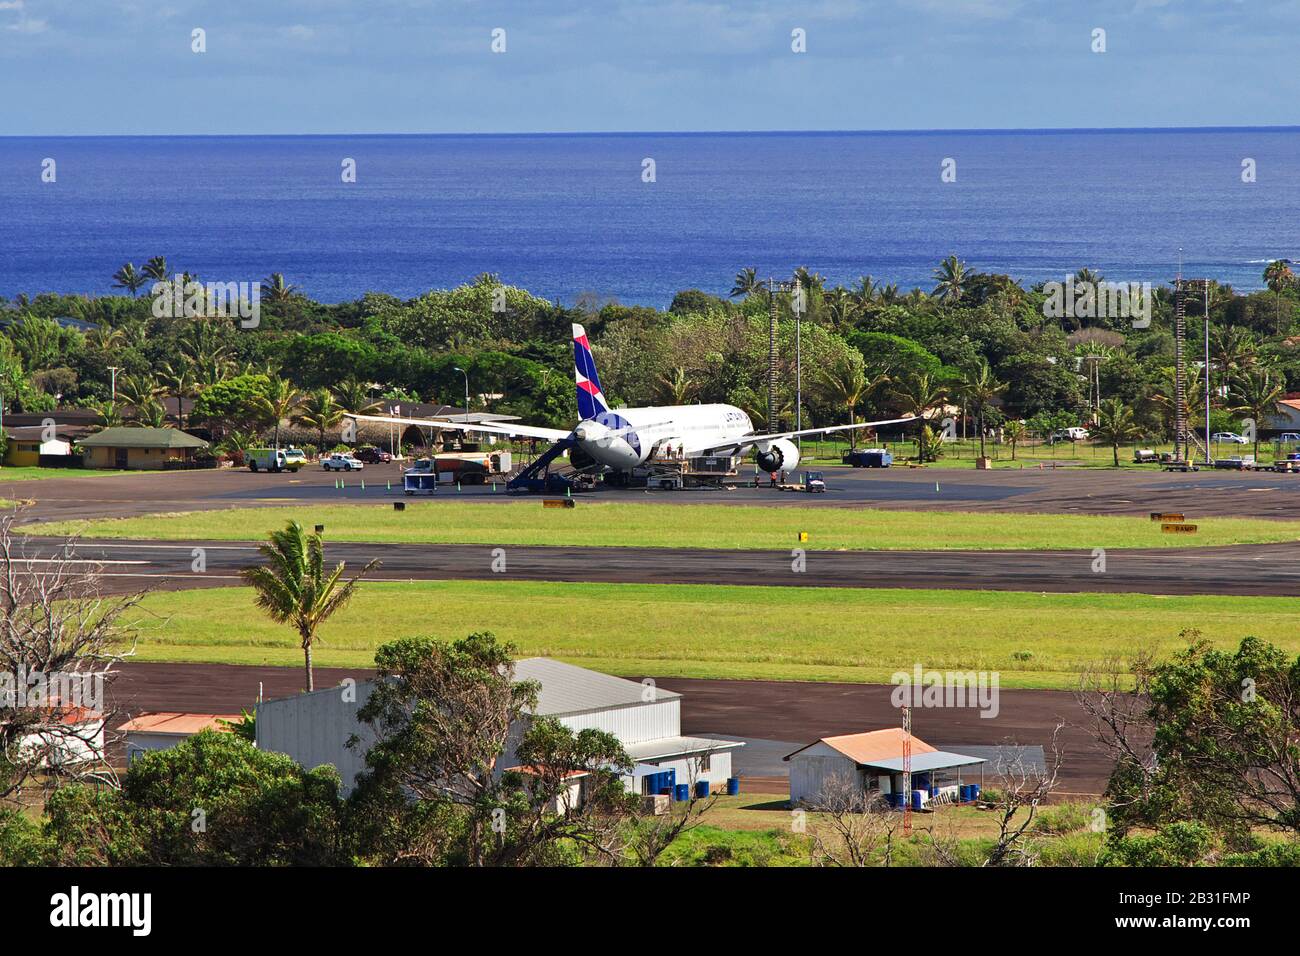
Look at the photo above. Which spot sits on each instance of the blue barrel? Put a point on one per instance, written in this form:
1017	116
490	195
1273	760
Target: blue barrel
733	786
974	791
963	793
701	788
918	797
682	792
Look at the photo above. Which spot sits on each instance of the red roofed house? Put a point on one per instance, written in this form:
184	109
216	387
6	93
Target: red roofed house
162	731
873	763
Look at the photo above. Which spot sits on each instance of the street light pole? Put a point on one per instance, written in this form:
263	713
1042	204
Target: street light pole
466	374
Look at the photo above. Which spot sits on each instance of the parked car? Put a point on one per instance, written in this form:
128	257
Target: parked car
1236	462
1289	438
274	459
1070	434
373	455
341	462
1230	438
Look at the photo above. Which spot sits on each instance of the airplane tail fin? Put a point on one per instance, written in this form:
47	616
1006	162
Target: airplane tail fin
591	400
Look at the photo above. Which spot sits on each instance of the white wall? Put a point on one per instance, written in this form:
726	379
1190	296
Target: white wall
810	771
632	725
314	729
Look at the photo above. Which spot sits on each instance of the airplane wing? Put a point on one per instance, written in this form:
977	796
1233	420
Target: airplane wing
509	429
749	441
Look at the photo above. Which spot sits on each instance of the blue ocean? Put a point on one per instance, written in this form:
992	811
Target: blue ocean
566	215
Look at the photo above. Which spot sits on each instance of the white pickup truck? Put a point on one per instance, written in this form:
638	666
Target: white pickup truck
275	459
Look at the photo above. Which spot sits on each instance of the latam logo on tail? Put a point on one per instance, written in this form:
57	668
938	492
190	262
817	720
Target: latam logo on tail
608	440
591	398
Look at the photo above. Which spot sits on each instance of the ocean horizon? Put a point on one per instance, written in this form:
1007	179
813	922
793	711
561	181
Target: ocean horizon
567	214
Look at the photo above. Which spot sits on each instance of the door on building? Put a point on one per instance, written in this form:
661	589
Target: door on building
121	458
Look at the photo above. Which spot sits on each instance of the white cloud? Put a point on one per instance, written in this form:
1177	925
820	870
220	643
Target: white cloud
28	25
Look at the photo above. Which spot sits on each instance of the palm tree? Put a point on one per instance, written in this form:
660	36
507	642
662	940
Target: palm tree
157	269
104	340
151	413
747	281
1165	395
275	289
128	278
1259	392
354	396
321	412
109	412
864	291
676	386
1279	277
280	402
951	277
845	385
979	388
294	587
1014	431
1115	424
808	280
181	384
1235	349
137	390
920	394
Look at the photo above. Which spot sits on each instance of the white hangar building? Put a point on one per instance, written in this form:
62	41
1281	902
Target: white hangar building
314	728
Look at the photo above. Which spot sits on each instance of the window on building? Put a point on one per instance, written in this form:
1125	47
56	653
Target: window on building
706	763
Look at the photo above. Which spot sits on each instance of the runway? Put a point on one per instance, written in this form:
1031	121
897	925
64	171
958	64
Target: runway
1265	569
1061	491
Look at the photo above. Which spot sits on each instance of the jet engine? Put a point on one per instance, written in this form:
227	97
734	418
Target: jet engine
779	455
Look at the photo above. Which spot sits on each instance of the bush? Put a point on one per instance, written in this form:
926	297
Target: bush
1063	818
1178	844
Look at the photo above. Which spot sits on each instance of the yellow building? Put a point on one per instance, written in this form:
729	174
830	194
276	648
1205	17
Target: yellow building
139	447
25	444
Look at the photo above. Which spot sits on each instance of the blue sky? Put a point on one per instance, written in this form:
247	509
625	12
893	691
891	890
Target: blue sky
78	67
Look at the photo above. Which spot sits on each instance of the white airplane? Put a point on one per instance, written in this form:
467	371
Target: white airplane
621	439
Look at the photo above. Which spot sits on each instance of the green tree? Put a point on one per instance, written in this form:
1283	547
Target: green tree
279	403
1279	278
1209	736
129	278
978	387
845	385
1115	425
157	269
259	809
920	395
321	412
1258	392
355	397
293	587
676	387
951	278
1014	431
747	282
435	792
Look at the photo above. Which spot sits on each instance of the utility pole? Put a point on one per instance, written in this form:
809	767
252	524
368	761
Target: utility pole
907	771
466	374
114	369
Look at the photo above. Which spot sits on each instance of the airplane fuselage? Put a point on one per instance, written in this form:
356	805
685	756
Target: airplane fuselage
625	437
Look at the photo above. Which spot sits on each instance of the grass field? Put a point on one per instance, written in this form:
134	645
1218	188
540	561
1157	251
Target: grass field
32	473
684	526
813	634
